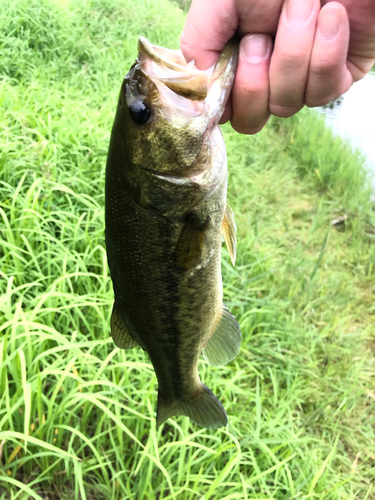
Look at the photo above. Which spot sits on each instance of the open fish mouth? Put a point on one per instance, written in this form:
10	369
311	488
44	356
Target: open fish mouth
168	67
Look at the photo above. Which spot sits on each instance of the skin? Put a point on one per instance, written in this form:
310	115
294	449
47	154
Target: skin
165	187
293	53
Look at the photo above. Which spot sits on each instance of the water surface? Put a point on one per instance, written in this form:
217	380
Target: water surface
353	118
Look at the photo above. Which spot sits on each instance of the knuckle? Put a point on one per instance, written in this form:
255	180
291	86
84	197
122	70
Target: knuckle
292	61
283	111
246	130
249	127
324	67
251	88
254	91
314	101
185	45
359	69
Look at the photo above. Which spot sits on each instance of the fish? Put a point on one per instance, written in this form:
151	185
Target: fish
165	216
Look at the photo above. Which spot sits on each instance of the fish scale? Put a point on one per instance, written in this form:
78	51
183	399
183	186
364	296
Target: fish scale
166	182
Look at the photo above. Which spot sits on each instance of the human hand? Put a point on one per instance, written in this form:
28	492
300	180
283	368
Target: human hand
318	52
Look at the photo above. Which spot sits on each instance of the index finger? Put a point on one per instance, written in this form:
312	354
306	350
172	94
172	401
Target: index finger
207	30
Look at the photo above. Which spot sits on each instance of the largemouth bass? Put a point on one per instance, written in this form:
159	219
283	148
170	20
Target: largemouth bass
165	210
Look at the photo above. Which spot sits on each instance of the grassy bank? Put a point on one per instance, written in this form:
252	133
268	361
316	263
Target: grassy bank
76	414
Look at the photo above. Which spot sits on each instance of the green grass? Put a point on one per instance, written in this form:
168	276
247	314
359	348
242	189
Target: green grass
77	416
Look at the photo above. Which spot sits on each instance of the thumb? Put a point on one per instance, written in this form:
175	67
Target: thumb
209	25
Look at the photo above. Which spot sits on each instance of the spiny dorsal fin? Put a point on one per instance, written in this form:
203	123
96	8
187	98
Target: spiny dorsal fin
225	341
229	230
190	243
119	332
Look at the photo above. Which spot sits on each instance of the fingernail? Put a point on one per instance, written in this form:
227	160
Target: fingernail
299	10
255	48
329	23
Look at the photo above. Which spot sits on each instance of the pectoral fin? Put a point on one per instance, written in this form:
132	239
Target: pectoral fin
119	332
190	243
225	341
229	230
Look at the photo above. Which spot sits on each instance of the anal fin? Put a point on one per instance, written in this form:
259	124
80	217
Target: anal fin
229	230
225	341
119	332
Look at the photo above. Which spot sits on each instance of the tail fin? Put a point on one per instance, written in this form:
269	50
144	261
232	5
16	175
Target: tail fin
203	409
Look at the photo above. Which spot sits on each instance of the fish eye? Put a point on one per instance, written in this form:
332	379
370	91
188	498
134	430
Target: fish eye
140	112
